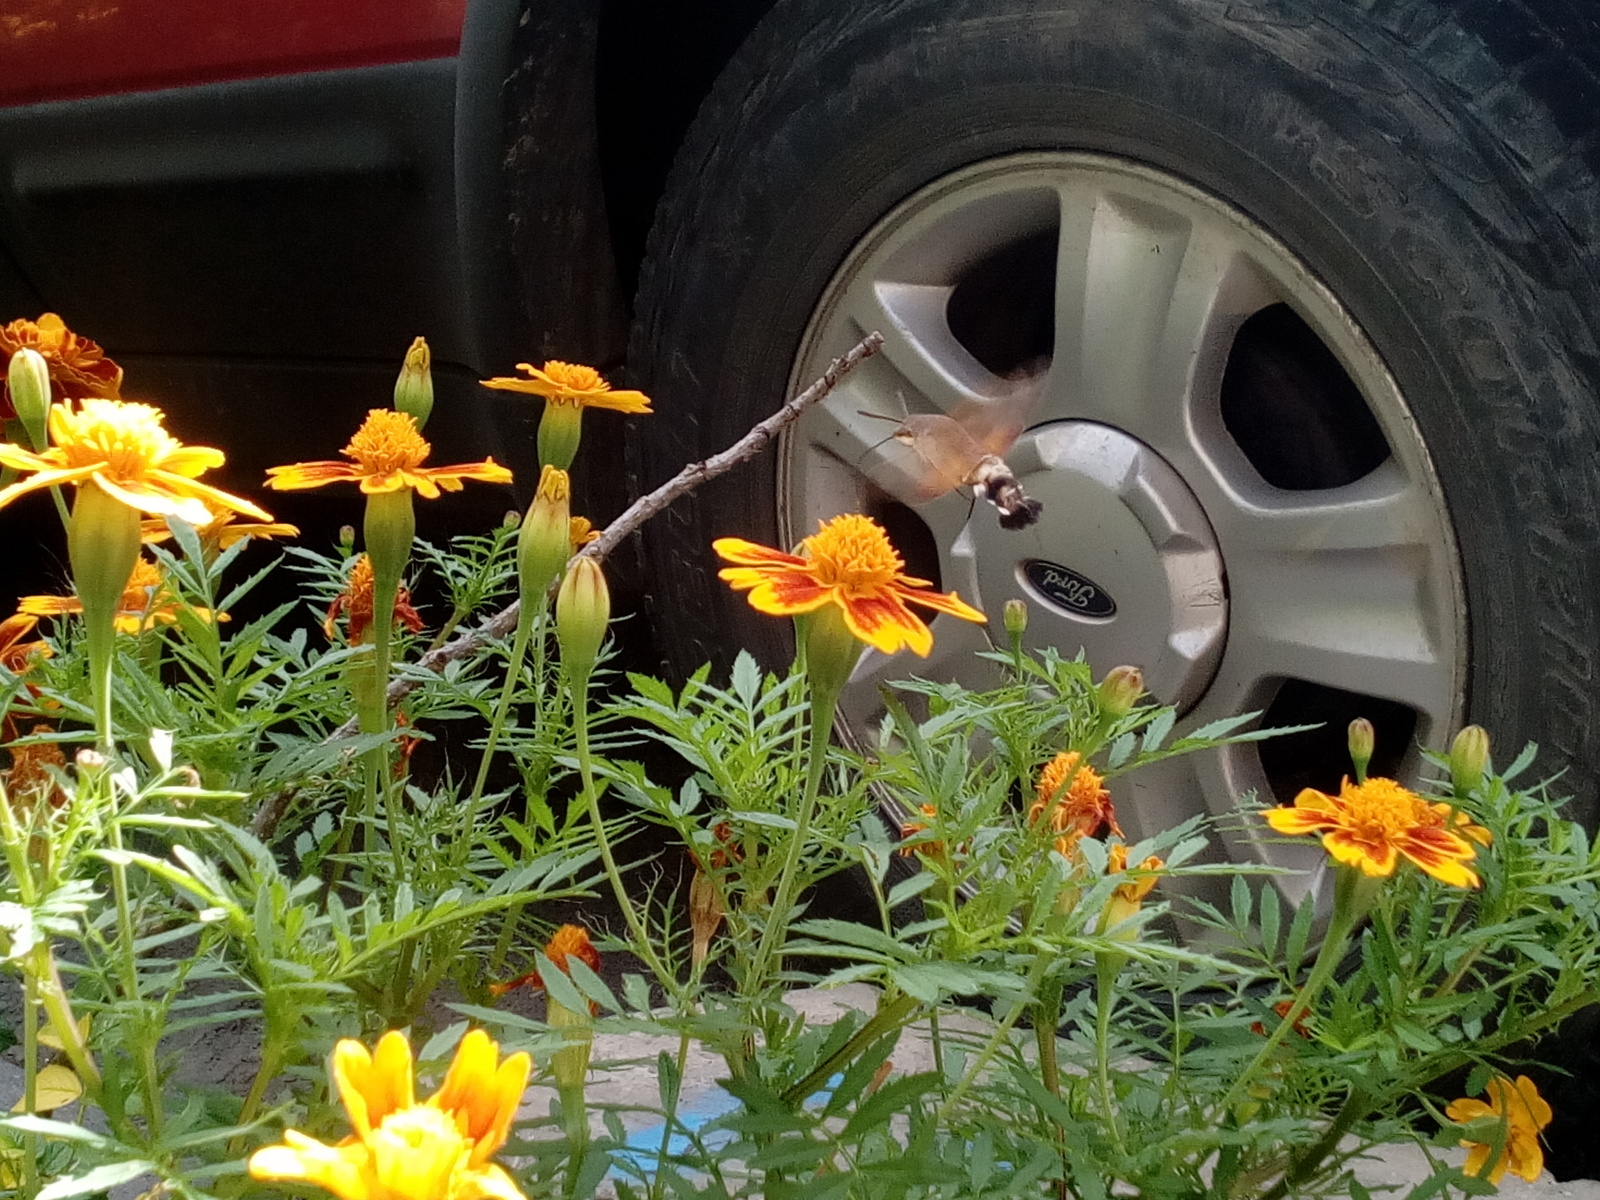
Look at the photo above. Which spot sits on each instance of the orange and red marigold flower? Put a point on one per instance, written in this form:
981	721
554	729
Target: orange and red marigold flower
570	941
1372	825
77	366
356	604
146	602
1072	799
848	562
386	455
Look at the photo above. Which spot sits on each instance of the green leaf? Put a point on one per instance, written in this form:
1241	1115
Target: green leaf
101	1179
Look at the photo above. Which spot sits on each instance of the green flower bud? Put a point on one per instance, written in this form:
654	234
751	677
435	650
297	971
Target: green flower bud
413	391
28	380
1362	737
583	607
544	538
1469	758
1015	618
1119	691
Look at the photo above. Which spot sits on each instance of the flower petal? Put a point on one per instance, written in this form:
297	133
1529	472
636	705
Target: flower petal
491	1183
45	479
310	474
1375	860
337	1169
886	624
189	461
623	402
373	1085
157	501
945	602
751	554
212	495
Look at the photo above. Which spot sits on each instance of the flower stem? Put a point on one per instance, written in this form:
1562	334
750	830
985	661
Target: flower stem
824	703
643	945
1107	967
519	650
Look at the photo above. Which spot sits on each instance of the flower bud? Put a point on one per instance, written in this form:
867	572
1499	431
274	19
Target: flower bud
28	381
1469	758
347	539
413	390
583	607
1015	618
543	539
1362	737
1119	691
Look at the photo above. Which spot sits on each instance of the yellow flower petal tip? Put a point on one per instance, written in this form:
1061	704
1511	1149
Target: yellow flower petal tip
124	449
848	562
386	455
400	1149
1372	825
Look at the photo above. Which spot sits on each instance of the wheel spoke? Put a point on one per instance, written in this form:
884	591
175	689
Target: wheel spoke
936	373
1147	303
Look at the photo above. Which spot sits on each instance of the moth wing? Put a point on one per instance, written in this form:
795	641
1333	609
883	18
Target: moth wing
996	421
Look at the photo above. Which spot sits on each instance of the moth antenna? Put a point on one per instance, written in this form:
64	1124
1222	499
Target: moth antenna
872	447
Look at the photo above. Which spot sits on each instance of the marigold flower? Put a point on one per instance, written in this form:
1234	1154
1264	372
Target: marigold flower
356	603
1302	1024
16	655
402	1150
386	453
1127	898
30	775
1371	825
146	602
849	562
580	533
77	366
569	941
123	448
1524	1112
570	384
1076	800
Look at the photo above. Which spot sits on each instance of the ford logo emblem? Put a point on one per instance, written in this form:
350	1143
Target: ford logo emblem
1068	590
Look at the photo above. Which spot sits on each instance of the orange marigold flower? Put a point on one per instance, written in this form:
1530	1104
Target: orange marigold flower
1076	800
849	562
30	778
357	603
570	941
16	655
146	602
1372	825
725	847
77	366
1524	1112
1282	1007
402	1150
124	449
386	453
910	829
570	383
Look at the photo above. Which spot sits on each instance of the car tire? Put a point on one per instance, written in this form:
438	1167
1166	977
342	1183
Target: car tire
1386	152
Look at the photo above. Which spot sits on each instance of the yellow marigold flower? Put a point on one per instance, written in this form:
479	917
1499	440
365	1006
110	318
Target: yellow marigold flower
1524	1112
124	449
357	604
1371	825
1075	798
77	366
386	453
1127	898
146	602
402	1150
570	384
848	562
222	531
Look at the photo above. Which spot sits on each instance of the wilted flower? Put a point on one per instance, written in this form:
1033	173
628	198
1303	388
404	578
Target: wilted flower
30	776
1371	825
356	604
1524	1113
402	1150
848	563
